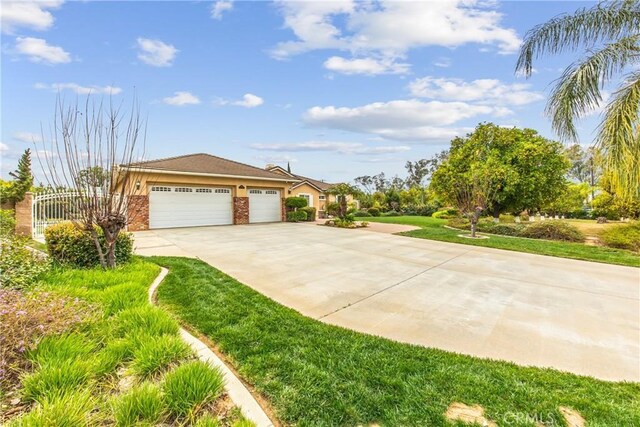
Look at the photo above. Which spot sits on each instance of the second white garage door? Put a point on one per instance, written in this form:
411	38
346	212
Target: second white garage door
189	206
264	206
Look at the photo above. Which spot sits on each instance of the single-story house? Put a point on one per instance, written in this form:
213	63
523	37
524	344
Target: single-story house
202	189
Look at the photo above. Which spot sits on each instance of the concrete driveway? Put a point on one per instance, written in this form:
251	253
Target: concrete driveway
575	316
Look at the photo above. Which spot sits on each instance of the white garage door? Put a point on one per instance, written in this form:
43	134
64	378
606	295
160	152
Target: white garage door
264	206
189	206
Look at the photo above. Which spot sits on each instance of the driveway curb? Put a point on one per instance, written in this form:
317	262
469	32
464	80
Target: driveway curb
237	391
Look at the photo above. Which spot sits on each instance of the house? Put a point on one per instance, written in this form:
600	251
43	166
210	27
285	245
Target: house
202	189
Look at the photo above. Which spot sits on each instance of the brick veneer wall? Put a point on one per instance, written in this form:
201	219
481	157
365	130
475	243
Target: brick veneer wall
284	209
240	210
24	215
138	214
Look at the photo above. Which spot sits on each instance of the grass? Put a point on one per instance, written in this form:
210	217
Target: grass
75	378
321	375
191	386
433	229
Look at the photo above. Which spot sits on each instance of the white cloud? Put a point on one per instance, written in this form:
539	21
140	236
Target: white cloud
369	66
219	7
442	62
79	89
181	98
277	158
32	15
332	146
408	120
4	148
38	50
390	28
248	100
482	90
156	53
28	137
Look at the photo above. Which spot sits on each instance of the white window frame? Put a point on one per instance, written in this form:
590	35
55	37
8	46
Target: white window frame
309	198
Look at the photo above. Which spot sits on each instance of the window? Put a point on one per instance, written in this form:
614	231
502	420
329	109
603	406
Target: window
160	188
309	198
223	191
322	197
203	190
184	190
271	192
255	191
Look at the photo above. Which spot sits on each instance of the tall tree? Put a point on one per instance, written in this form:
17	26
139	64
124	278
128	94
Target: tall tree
22	182
90	142
610	34
416	172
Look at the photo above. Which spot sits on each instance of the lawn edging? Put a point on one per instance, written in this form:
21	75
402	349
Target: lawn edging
239	394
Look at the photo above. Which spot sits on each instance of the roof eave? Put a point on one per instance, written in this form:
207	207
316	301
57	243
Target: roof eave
218	175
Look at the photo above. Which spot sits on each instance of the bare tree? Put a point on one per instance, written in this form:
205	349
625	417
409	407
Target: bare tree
97	138
472	195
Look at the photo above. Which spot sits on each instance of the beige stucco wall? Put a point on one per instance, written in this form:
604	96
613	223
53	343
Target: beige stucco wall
312	192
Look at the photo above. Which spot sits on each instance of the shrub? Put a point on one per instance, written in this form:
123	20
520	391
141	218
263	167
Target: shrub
19	265
68	245
374	211
68	410
333	208
146	319
623	237
154	354
311	213
296	216
112	355
361	214
507	218
295	202
505	229
445	214
7	222
190	387
578	214
427	210
120	297
552	230
141	404
55	379
391	213
26	319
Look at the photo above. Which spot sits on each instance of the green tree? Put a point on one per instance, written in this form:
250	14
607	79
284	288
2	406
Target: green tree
610	34
526	170
22	182
95	176
341	191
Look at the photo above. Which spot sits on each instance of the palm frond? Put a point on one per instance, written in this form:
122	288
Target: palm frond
586	27
578	90
619	138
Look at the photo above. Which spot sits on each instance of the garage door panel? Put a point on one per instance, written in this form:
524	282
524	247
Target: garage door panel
264	206
188	207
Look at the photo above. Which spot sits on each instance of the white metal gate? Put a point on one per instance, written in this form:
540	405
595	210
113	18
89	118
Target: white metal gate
51	208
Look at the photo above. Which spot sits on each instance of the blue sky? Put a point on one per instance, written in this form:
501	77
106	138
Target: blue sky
338	89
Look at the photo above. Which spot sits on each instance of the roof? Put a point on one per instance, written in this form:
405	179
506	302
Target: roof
207	164
320	185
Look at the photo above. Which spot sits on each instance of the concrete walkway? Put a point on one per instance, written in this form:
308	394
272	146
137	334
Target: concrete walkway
572	315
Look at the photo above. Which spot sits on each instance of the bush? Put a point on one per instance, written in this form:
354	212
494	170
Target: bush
391	213
7	222
121	297
190	387
552	230
69	409
67	245
295	202
19	265
296	216
578	214
507	218
56	379
361	214
147	319
446	214
311	213
374	211
487	225
623	237
505	229
26	319
61	348
427	210
154	354
333	208
142	405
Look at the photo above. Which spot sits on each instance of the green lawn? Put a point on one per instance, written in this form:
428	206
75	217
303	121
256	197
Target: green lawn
433	229
315	374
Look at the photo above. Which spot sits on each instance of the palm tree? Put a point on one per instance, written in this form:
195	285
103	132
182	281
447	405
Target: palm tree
609	33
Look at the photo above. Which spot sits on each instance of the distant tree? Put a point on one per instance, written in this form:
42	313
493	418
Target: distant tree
95	176
365	182
609	36
380	182
22	182
416	172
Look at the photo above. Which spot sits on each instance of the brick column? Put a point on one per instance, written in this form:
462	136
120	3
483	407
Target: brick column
240	210
24	216
283	208
138	213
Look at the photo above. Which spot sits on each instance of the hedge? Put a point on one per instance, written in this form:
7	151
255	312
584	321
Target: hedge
552	230
68	245
311	213
296	216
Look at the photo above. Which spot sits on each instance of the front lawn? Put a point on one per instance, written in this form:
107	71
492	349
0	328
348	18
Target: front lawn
433	229
316	374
